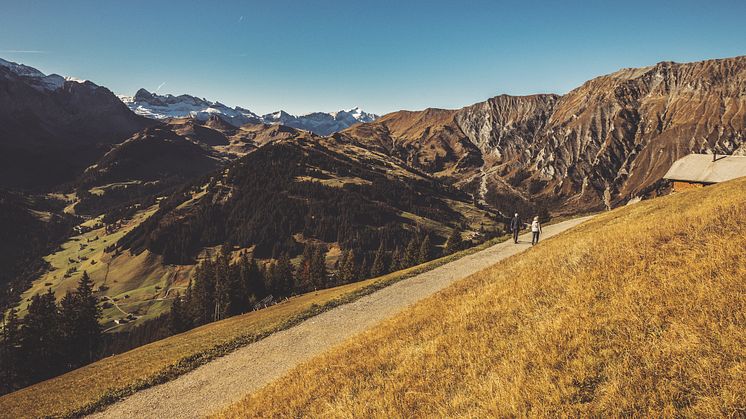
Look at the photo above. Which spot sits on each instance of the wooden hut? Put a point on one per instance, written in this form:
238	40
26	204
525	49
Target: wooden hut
698	170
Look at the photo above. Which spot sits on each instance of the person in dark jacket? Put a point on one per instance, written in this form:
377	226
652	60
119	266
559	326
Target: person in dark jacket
515	227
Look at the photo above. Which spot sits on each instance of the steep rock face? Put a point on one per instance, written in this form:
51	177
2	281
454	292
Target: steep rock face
620	133
506	126
51	128
429	139
603	143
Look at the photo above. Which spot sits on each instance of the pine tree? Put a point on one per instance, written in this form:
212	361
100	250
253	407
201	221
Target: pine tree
379	263
411	254
318	267
79	324
89	316
396	261
10	355
223	286
179	319
362	269
40	338
303	274
255	284
426	250
347	267
203	293
283	274
455	242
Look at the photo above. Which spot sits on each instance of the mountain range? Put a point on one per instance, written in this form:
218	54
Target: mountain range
167	190
606	142
169	106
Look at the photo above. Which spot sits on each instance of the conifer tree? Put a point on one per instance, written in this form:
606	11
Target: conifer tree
426	250
318	267
347	267
396	261
203	293
363	269
379	262
89	315
79	323
284	275
455	242
179	320
40	337
255	284
10	355
411	254
223	286
303	274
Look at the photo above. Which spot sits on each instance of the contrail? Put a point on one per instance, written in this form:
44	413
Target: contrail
21	51
159	86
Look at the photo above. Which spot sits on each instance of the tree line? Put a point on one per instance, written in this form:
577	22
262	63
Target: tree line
221	288
260	201
51	338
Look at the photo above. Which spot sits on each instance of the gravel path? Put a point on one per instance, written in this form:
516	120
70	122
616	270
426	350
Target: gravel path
213	386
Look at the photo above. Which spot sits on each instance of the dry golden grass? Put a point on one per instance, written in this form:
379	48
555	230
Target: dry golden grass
102	382
639	312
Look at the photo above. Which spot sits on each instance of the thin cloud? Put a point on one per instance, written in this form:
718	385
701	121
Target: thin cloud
159	86
22	51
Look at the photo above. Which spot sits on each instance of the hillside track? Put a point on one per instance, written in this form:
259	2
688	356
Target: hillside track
217	384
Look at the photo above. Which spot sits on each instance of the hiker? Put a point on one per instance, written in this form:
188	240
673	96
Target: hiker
535	230
515	227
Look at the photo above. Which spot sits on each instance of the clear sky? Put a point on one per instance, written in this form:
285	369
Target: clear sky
383	56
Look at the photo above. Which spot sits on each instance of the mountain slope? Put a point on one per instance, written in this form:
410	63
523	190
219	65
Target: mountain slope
30	226
51	128
307	188
155	154
652	325
607	141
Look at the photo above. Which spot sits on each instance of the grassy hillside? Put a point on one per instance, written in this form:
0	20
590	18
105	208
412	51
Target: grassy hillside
640	312
137	284
104	381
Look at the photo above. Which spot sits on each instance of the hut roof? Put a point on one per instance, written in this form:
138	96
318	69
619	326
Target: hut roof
702	169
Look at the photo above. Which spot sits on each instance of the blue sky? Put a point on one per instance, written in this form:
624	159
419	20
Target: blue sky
303	56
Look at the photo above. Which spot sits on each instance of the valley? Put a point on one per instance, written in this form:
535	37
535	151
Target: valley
152	198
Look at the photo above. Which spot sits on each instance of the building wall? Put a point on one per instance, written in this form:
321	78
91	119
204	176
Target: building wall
679	186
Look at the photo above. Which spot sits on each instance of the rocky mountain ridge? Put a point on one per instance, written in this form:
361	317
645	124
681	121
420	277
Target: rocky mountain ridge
599	145
161	107
51	127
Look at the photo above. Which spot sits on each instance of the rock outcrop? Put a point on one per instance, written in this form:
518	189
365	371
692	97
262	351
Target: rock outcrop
601	144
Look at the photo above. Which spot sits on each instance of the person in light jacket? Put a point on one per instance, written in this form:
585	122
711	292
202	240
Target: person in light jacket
535	230
515	227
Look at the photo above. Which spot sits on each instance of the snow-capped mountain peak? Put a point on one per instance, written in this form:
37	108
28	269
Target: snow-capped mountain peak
153	105
36	78
167	106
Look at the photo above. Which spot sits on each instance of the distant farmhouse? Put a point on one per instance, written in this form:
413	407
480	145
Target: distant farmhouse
697	170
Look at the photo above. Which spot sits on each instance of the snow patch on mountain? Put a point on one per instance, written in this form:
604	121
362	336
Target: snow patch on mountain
168	106
157	106
38	79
